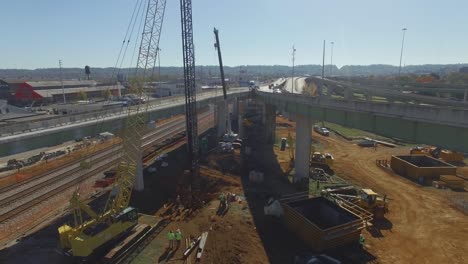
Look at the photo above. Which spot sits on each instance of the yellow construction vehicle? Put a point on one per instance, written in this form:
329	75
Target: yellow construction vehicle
372	202
117	217
438	153
364	198
98	229
323	161
322	158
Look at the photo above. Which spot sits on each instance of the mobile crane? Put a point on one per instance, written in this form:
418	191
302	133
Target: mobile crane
229	135
98	229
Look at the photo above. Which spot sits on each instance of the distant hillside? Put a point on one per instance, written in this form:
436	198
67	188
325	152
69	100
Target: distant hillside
248	71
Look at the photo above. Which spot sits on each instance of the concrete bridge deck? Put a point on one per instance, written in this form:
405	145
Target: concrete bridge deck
441	126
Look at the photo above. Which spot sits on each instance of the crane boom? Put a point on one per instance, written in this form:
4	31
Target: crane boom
117	217
229	133
220	59
191	119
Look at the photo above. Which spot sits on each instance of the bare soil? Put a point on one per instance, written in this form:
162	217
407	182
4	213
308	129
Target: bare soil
422	225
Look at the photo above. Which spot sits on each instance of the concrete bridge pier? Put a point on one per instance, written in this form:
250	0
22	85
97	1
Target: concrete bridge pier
303	145
235	108
368	95
348	94
221	118
240	123
269	117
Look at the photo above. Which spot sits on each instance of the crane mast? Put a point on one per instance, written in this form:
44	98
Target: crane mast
223	82
117	217
191	119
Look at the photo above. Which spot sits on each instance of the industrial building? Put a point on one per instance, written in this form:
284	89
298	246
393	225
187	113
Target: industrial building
54	91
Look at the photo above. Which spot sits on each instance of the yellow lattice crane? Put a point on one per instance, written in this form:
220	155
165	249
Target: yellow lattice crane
91	232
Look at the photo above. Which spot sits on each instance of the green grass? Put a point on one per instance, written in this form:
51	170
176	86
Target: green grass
352	132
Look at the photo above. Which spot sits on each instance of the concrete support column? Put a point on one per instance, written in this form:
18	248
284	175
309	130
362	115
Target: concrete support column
263	113
368	95
240	121
348	94
221	119
235	108
303	144
139	182
270	123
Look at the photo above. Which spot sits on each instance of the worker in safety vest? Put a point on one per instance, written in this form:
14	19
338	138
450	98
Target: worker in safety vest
171	237
178	237
361	241
222	199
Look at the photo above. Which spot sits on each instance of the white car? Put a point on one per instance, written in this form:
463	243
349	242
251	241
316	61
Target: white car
276	91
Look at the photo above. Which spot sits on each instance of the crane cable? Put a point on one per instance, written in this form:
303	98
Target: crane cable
131	34
126	40
98	127
136	43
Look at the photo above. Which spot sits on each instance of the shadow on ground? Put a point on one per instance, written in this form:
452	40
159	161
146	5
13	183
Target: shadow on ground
280	244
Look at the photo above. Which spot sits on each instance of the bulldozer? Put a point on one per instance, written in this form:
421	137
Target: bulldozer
372	202
323	161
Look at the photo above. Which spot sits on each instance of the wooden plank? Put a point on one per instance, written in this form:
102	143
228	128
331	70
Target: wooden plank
201	247
192	246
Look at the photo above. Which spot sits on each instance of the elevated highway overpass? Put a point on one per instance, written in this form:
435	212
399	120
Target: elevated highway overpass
435	125
17	138
392	93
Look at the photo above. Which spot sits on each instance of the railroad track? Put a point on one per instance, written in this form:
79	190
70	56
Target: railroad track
26	204
70	163
20	197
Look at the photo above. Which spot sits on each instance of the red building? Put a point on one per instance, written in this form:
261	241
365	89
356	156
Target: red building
52	91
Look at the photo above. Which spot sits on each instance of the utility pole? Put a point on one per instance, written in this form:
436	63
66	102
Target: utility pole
331	57
61	81
293	59
401	53
323	61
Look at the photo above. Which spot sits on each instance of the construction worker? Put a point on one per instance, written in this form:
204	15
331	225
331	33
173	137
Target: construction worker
178	237
361	241
222	200
171	237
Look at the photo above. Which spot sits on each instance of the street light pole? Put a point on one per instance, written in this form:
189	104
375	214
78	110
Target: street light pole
401	53
293	58
331	57
61	81
323	61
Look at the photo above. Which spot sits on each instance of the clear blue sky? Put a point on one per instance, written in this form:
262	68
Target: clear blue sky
35	34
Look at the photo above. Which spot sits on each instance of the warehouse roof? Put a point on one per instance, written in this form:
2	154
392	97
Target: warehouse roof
38	84
50	92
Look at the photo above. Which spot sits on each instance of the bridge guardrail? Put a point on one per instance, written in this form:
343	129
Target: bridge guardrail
18	128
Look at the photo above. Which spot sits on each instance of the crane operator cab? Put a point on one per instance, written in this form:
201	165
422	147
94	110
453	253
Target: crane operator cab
368	196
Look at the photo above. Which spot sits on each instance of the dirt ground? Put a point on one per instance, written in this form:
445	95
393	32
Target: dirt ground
422	225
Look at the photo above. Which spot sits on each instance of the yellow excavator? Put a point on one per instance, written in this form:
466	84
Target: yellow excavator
364	198
92	230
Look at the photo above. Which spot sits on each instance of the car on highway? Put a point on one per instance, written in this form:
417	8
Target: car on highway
277	91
